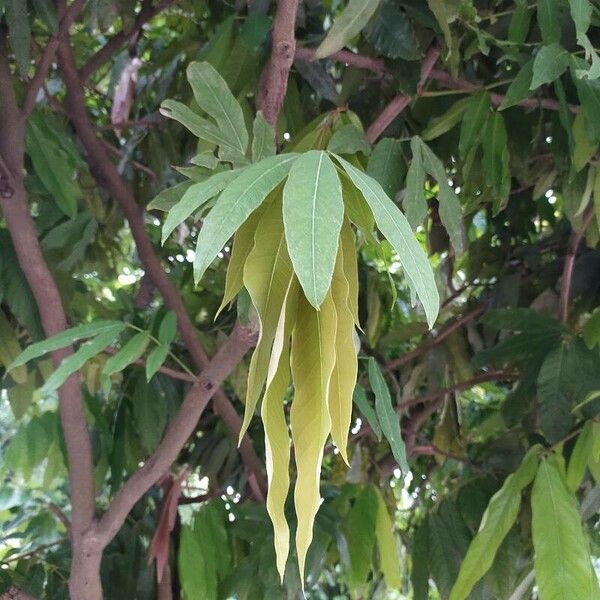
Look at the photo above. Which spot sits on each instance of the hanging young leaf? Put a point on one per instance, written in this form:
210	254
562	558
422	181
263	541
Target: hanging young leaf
368	412
394	226
389	420
348	24
312	214
563	567
500	515
235	204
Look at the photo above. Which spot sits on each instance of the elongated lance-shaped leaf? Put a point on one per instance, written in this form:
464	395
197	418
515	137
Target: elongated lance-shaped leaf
389	420
75	361
263	138
500	515
414	202
343	378
277	439
354	17
350	266
243	240
267	276
235	204
312	361
394	226
389	558
368	412
128	354
563	567
62	339
313	210
214	97
194	197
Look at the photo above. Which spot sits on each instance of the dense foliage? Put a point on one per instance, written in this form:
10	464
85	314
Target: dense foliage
386	287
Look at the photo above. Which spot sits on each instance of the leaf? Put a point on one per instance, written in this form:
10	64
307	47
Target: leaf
166	199
449	209
350	267
214	97
277	439
419	575
389	559
312	214
263	138
583	150
167	328
348	24
580	456
495	155
359	529
235	204
392	33
588	91
47	13
591	330
519	89
194	197
312	361
17	20
520	22
149	414
343	377
563	567
360	399
549	21
75	361
390	421
348	139
198	581
440	125
53	169
387	165
128	354
63	339
500	515
267	276
10	349
356	207
394	226
549	64
471	130
154	361
414	202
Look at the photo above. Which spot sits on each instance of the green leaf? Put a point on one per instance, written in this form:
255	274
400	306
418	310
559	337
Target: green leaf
549	64
45	10
75	361
62	339
349	139
549	21
149	414
519	89
195	196
583	150
312	214
267	275
235	204
563	567
166	199
52	167
359	529
419	575
449	209
368	412
390	421
387	165
17	20
520	22
214	97
444	123
392	33
389	559
348	248
312	361
414	202
472	128
394	226
263	138
10	349
128	354
580	456
588	91
196	565
591	330
500	515
154	361
348	24
495	156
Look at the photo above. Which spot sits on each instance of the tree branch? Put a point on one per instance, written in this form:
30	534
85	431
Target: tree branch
400	102
567	275
178	432
105	53
274	78
107	176
447	330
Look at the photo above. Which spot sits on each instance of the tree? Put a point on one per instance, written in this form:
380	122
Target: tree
299	297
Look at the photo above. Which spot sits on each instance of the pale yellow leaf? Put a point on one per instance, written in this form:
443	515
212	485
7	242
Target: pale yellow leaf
348	245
